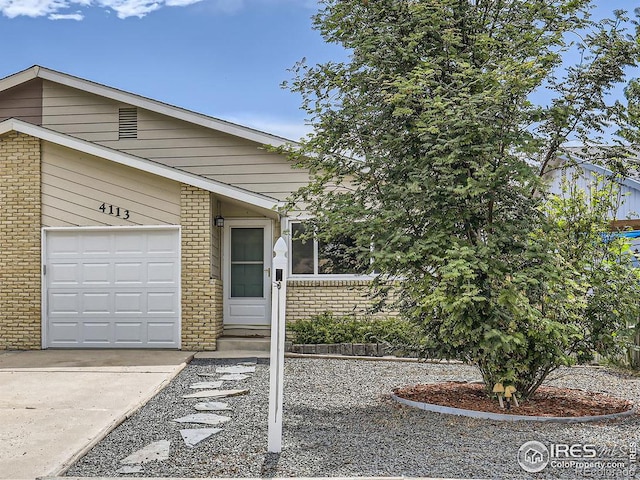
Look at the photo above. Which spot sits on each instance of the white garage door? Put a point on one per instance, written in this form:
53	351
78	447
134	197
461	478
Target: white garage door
112	288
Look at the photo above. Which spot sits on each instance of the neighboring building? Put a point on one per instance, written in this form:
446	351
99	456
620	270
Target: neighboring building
109	223
586	175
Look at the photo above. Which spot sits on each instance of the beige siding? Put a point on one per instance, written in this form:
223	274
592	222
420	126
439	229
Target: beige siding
74	186
78	113
216	240
176	143
23	102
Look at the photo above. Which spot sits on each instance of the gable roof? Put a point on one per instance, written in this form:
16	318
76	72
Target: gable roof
142	102
226	190
632	181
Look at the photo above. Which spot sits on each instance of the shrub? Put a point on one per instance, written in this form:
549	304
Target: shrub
329	328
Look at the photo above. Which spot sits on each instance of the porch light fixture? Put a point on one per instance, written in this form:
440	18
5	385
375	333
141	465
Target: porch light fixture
218	221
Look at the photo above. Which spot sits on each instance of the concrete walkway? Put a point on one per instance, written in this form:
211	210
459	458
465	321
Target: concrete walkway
56	404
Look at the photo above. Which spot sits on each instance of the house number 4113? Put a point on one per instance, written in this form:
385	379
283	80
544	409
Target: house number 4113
115	211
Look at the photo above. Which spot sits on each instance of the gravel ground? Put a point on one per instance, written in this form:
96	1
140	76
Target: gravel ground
339	420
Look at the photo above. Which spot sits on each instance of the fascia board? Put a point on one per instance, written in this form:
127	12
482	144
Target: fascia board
18	78
213	186
163	108
627	182
593	168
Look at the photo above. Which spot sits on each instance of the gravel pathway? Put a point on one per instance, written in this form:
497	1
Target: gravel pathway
340	421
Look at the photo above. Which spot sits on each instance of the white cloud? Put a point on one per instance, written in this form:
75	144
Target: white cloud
131	8
55	9
69	16
180	3
31	8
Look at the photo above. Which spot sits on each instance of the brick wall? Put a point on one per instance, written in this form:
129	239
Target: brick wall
20	319
201	295
306	298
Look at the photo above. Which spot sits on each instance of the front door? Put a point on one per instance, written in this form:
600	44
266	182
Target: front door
247	272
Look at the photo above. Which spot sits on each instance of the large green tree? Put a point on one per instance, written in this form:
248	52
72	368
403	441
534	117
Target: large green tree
429	148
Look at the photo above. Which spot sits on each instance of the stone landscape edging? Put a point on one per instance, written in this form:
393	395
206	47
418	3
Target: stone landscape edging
430	407
386	358
346	348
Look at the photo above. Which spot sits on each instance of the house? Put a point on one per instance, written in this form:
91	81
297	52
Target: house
533	456
585	175
129	223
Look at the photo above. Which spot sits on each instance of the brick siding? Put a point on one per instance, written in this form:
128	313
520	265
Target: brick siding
20	220
201	295
306	298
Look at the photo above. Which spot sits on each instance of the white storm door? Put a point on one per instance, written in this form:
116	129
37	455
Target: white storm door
247	272
112	288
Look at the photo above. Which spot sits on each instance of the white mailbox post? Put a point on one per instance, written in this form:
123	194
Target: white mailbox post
278	308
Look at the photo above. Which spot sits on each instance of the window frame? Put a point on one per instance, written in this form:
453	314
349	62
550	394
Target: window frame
287	224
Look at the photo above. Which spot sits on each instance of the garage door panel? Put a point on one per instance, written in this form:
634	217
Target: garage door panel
96	303
160	333
98	244
64	303
161	244
64	274
62	245
162	303
113	288
161	272
96	333
129	303
130	333
129	273
96	273
130	244
64	333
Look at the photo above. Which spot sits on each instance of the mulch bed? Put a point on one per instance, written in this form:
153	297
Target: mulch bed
546	402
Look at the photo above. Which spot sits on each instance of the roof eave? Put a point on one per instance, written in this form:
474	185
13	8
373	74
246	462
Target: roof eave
206	121
19	78
256	200
162	108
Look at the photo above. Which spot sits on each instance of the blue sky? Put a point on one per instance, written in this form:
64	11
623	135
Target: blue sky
224	58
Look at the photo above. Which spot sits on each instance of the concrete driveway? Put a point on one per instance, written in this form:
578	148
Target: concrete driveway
56	404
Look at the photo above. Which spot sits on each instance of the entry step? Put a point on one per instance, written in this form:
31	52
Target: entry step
257	344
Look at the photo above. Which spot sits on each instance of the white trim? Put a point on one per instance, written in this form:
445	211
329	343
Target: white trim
268	225
626	181
113	227
19	78
143	102
286	226
43	262
43	290
593	168
223	189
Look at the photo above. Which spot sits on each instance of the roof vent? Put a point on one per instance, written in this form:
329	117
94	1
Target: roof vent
128	122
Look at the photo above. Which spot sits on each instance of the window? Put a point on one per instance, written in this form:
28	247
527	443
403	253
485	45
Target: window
312	257
302	252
